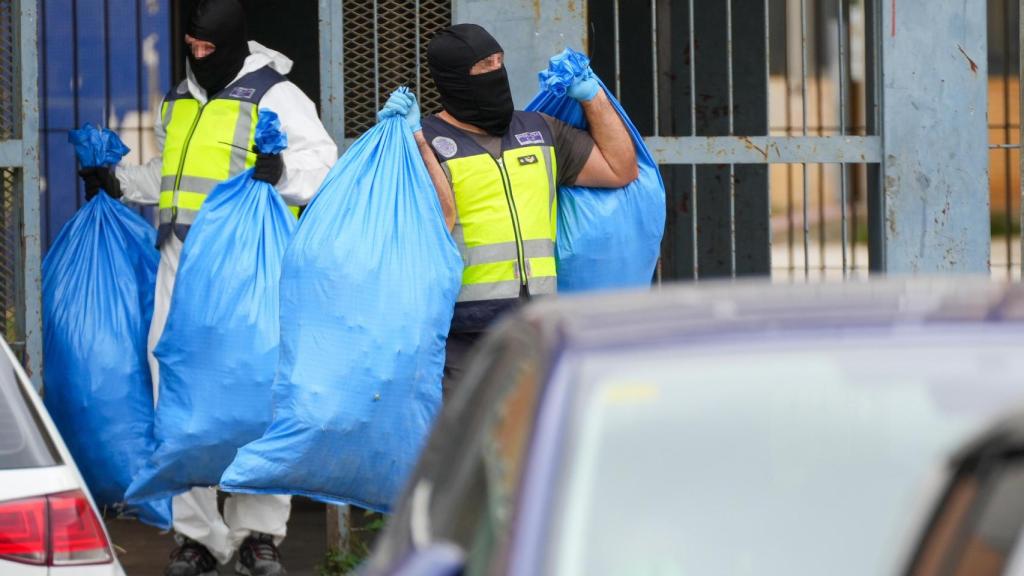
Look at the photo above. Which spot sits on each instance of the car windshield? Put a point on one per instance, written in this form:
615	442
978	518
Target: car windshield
812	456
23	441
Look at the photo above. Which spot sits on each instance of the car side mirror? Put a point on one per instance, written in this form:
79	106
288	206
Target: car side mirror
440	559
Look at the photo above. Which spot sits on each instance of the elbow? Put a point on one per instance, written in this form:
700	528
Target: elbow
627	176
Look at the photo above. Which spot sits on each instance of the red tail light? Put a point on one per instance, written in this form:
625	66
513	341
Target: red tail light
76	536
57	530
23	531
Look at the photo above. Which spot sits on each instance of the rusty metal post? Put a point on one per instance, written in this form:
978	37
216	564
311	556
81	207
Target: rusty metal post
1020	122
935	137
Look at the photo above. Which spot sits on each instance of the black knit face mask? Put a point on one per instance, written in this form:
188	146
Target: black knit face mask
221	22
483	100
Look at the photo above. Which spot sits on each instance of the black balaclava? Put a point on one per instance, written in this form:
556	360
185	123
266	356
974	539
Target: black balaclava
484	100
221	22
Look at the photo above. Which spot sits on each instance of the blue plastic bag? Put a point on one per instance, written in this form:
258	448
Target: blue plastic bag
367	295
606	238
98	287
219	350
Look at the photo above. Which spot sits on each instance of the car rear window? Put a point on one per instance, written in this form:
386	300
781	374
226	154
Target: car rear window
24	442
796	457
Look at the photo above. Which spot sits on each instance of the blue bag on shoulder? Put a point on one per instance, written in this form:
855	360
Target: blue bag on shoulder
218	352
607	238
367	295
98	284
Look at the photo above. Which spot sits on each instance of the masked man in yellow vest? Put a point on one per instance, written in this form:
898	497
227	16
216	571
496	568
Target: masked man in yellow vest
497	172
205	131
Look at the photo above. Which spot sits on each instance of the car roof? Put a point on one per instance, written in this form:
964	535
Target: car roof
720	307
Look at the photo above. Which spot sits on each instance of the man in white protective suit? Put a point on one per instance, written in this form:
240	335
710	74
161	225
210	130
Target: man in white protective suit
206	125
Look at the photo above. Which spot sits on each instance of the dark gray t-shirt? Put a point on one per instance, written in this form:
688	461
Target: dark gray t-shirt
572	148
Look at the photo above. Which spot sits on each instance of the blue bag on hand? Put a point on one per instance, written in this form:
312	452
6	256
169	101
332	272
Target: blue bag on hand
98	285
367	295
219	350
607	238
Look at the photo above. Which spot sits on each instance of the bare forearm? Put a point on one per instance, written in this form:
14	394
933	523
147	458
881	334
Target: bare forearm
611	137
444	190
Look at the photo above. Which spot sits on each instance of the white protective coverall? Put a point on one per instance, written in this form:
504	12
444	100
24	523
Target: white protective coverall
307	159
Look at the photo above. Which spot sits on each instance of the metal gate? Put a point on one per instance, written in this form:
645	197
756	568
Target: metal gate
763	123
19	183
799	139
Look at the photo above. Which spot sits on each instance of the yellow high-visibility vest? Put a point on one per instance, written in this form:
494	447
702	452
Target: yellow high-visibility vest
207	144
506	208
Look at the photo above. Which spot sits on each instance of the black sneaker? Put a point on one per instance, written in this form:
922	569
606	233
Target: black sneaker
191	559
258	556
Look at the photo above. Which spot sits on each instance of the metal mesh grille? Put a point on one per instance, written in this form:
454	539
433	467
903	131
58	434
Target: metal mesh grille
381	54
8	70
10	257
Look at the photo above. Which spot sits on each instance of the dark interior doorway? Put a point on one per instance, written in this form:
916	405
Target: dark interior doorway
289	26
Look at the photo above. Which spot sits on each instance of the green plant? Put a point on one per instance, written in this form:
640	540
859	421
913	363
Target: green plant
362	534
338	562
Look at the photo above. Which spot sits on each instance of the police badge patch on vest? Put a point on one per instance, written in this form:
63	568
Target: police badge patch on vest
445	146
527	160
527	138
242	93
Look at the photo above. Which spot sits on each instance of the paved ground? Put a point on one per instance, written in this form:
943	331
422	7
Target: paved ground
143	550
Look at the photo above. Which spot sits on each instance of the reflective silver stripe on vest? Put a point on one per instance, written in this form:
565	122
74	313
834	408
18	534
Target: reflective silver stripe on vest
506	251
490	253
190	184
167	113
541	248
186	217
543	285
553	189
166	215
489	291
243	129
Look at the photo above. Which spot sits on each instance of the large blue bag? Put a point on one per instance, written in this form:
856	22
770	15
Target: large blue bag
606	238
98	287
367	295
218	352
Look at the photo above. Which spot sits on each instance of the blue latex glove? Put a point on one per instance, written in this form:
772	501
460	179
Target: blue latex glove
584	88
402	103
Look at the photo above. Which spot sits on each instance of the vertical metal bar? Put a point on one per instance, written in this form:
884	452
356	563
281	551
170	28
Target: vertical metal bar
29	188
819	113
657	97
768	116
618	47
654	66
419	92
1020	78
841	17
75	91
693	132
803	88
732	130
332	69
376	56
1007	135
875	173
790	201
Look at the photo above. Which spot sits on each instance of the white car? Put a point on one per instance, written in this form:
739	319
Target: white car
49	524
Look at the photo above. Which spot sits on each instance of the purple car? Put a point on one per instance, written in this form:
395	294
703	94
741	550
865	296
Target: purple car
712	429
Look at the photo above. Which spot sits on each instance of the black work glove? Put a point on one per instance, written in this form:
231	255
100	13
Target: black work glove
268	168
100	177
